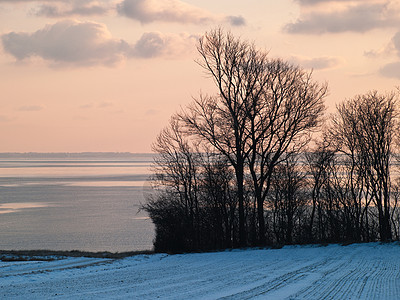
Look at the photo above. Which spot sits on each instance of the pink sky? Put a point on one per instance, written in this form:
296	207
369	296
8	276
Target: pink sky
107	75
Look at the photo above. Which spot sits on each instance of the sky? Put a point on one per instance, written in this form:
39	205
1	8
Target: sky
83	75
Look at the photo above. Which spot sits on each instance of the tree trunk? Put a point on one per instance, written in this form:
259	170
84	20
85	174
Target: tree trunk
240	178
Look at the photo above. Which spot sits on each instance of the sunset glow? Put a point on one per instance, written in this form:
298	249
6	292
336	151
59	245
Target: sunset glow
106	75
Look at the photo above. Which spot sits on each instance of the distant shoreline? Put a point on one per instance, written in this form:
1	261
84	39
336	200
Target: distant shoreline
69	155
48	255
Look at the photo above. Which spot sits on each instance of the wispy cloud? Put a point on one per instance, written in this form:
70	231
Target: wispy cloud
392	70
313	2
396	42
74	43
86	106
30	108
22	1
147	11
155	44
73	8
4	118
64	8
151	112
317	63
236	20
105	104
144	11
389	50
323	16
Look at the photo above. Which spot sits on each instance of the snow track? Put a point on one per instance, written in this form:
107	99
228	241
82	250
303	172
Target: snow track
364	271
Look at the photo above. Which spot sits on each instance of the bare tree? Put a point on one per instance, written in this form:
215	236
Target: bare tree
319	164
282	118
264	110
193	205
219	201
287	199
365	127
175	209
238	71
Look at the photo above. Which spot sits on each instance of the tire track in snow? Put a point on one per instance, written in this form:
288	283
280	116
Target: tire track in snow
370	271
357	278
271	286
340	280
195	279
34	267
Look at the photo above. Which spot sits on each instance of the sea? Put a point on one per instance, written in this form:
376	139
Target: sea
75	201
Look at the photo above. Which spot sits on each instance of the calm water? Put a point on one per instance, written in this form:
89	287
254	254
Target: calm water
74	202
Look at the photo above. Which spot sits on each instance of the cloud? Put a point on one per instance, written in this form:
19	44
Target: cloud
313	2
347	16
67	42
236	20
318	63
18	1
151	112
30	108
64	8
4	118
392	70
105	104
58	9
154	44
392	48
144	11
147	11
396	42
54	11
86	106
74	43
383	51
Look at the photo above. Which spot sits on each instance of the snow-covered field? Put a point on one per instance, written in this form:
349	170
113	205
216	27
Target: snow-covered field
366	271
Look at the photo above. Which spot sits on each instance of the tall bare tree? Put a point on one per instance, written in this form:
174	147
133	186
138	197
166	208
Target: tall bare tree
264	109
282	118
238	70
194	205
319	164
287	199
175	210
365	127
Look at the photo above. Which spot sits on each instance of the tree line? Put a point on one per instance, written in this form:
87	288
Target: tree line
257	163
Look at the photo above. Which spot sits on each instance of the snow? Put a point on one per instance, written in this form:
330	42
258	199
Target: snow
357	271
